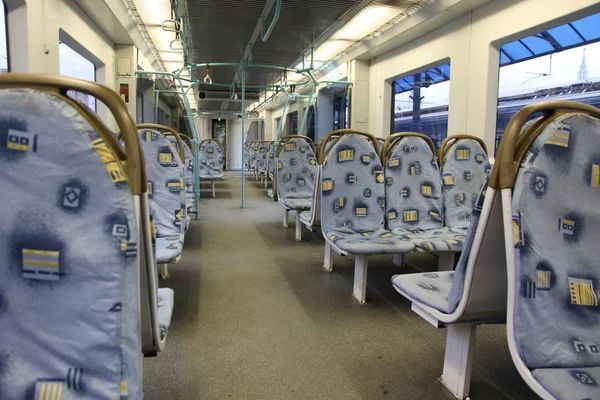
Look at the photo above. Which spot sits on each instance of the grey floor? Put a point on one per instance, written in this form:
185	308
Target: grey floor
257	317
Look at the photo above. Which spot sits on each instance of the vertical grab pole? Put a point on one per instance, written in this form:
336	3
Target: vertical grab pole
243	129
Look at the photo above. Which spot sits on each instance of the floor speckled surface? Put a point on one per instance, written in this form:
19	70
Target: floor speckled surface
257	317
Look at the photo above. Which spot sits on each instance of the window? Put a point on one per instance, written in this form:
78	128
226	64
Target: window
292	123
420	103
75	65
341	111
562	63
310	122
4	63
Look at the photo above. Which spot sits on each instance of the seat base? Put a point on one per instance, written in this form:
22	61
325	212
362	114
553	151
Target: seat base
166	299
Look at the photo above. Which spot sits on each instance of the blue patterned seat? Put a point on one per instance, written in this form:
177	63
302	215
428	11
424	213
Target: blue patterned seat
165	310
353	204
271	159
210	156
262	157
465	168
296	169
553	310
442	290
69	281
414	203
164	172
189	171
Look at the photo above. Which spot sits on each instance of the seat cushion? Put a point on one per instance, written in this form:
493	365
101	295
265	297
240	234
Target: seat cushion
215	176
306	216
570	383
435	240
166	298
431	288
168	249
376	242
296	169
296	204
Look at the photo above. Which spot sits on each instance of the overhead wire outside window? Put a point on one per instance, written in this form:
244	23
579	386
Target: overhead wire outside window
562	63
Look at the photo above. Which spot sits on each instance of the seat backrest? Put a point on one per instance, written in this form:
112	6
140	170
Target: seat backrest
164	172
246	153
189	163
296	169
69	278
261	163
271	159
352	186
254	155
555	227
464	170
413	186
210	156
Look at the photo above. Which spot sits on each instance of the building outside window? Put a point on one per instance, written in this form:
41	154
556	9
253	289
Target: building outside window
420	103
562	63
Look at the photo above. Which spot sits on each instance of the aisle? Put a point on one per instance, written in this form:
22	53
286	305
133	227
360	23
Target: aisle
257	317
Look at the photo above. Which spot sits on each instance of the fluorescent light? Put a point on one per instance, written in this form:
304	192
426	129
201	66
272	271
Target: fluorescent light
330	48
366	21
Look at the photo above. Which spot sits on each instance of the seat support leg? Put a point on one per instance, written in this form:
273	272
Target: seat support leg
460	346
285	218
328	261
298	226
361	264
446	261
398	259
213	188
164	271
266	180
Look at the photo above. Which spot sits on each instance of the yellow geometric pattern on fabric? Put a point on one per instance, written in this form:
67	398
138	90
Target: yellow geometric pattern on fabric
327	185
40	258
20	141
392	215
582	292
426	190
366	159
361	211
448	180
543	279
393	162
429	246
595	175
165	157
290	146
114	168
210	150
123	388
148	136
411	216
463	154
516	233
559	139
387	235
49	390
380	177
341	201
346	155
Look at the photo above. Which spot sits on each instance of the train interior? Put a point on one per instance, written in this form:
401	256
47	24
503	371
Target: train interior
300	199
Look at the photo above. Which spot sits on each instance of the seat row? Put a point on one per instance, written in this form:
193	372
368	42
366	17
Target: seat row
91	219
528	232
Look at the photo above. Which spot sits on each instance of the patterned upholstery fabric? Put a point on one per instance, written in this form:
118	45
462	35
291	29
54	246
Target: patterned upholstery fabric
353	199
262	158
168	249
306	216
556	223
165	183
466	167
443	290
570	383
313	216
431	288
247	155
189	171
210	156
296	170
165	310
69	277
253	155
414	197
271	159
